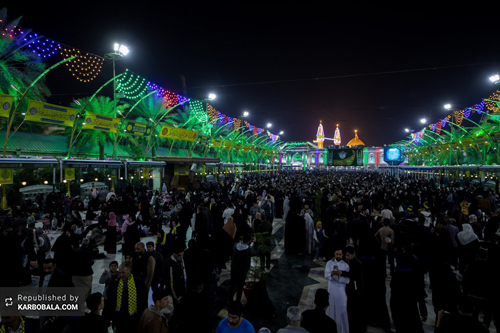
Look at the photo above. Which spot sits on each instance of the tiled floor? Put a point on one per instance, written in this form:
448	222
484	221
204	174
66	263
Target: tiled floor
292	280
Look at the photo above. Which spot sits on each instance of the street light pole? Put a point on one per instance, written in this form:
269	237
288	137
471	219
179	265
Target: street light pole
119	52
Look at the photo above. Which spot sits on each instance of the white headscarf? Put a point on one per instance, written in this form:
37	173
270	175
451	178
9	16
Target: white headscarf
467	235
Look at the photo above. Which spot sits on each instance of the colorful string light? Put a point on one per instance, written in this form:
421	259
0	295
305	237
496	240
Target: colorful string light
492	106
170	98
13	32
212	113
438	127
196	109
131	85
237	123
459	117
43	47
84	67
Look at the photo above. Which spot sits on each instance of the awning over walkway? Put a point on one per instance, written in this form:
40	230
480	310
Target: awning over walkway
109	164
28	163
197	160
145	164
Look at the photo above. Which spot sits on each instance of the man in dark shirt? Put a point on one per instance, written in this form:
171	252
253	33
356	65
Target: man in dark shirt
266	228
92	321
159	264
354	291
316	320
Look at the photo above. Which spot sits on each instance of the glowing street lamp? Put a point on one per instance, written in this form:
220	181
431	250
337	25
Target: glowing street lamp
122	49
245	114
423	120
212	96
407	130
119	52
495	79
281	133
269	125
447	106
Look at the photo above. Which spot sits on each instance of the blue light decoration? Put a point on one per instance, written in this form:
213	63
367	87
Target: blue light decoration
43	47
480	106
443	122
182	99
153	86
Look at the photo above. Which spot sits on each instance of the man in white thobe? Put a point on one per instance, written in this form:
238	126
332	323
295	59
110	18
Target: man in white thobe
337	310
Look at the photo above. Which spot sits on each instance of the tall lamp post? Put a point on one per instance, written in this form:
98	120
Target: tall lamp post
119	51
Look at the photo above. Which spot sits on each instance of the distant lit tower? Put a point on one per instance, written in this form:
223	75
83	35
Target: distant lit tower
320	135
336	138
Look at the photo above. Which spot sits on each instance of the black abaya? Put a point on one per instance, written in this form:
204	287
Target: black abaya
110	241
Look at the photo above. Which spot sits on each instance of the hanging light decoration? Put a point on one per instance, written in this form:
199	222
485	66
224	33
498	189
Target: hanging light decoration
170	98
196	109
492	106
85	67
459	117
43	47
237	123
9	31
131	85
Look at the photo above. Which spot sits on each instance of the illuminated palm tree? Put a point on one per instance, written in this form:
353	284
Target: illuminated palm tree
19	67
102	105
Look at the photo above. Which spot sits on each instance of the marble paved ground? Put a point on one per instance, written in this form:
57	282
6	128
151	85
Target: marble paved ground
292	281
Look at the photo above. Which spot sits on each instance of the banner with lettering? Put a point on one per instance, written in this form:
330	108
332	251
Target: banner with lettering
181	169
97	122
216	143
138	128
41	112
177	133
203	140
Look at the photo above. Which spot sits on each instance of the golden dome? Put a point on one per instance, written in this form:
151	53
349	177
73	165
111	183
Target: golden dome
356	141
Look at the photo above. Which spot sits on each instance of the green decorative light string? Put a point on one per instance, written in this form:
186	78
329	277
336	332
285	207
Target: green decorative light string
196	109
131	85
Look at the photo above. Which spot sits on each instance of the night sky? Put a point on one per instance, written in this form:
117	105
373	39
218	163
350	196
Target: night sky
375	71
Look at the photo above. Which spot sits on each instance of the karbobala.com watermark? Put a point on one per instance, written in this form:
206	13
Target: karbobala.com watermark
28	301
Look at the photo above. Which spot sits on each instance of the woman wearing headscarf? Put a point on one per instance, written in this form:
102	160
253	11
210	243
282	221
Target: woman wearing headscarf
63	249
110	242
130	233
468	245
230	227
286	207
309	229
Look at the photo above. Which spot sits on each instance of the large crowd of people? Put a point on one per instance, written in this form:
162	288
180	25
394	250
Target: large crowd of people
366	228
